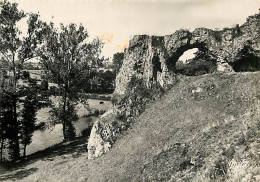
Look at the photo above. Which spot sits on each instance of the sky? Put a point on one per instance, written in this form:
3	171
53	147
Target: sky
115	22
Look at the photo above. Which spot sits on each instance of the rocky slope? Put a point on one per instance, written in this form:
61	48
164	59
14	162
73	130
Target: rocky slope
153	60
205	128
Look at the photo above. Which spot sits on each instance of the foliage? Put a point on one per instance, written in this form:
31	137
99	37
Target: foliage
253	17
5	113
236	31
96	113
15	50
117	61
25	75
95	96
67	58
99	82
137	96
29	118
138	87
9	48
217	36
86	132
54	91
203	63
44	85
66	117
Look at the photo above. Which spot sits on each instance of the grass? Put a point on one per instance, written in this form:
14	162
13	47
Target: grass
199	131
72	149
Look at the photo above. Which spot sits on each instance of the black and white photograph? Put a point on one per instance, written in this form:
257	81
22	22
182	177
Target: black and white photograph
130	90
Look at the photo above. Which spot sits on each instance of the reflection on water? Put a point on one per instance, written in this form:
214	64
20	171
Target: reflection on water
43	139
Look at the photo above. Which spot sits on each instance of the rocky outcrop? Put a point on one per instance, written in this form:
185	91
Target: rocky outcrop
152	59
106	130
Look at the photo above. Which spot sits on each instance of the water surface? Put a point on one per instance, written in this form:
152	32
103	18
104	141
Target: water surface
43	139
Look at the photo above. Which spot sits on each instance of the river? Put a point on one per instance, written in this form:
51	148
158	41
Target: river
43	139
48	137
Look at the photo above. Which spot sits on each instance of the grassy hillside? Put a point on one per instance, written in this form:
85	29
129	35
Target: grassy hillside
206	128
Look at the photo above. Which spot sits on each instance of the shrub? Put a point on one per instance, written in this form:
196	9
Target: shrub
26	75
217	36
96	112
137	87
86	132
44	85
121	117
114	99
101	112
136	98
54	91
219	171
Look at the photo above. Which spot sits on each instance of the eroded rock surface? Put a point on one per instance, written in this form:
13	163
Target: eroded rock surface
154	58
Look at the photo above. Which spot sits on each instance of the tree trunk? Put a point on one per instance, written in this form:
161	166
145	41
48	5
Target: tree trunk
1	152
64	117
15	137
64	130
24	150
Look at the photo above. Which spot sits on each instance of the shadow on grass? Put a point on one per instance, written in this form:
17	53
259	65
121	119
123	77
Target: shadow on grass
18	175
74	148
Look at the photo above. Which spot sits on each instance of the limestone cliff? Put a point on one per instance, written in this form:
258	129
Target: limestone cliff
153	60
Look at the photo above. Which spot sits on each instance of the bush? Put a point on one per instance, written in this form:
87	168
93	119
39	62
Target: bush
101	112
217	36
219	171
96	112
44	85
54	91
136	98
138	88
114	99
86	132
26	75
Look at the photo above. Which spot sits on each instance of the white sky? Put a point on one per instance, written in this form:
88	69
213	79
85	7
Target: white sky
189	54
119	20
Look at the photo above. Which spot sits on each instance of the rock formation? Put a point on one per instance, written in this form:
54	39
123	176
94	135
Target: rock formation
153	59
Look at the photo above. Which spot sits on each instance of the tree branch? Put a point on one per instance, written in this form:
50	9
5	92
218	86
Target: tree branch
6	56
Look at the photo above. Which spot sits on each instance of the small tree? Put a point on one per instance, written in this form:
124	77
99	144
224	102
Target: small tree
118	61
29	115
107	81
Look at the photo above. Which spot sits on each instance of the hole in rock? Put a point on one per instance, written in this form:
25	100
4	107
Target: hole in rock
156	66
194	62
188	55
249	62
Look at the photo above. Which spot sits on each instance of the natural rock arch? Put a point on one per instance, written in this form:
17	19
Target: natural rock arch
223	46
205	63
